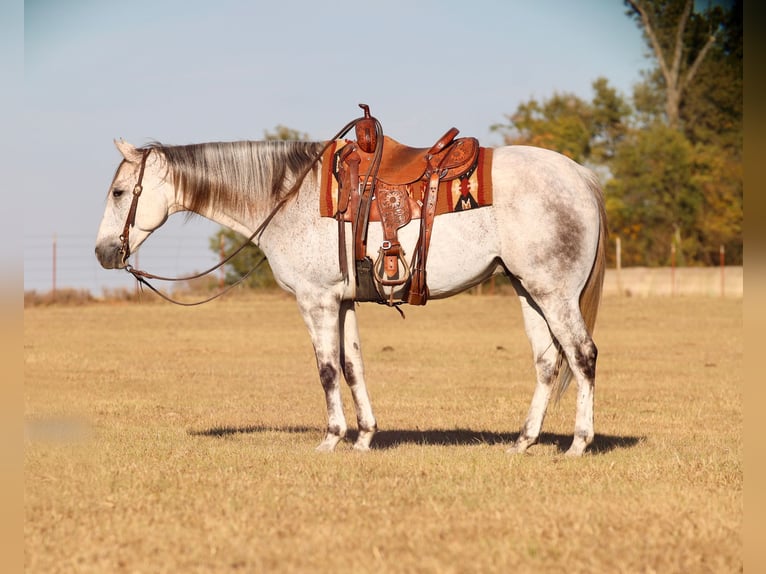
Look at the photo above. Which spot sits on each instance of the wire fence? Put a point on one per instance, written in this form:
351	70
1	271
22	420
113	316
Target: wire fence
68	261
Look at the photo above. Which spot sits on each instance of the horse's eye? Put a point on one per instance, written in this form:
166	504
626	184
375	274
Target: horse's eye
117	192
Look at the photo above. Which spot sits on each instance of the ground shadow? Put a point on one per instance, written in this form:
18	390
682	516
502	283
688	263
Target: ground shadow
388	439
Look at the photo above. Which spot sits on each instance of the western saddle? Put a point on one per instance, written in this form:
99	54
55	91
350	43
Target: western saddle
380	179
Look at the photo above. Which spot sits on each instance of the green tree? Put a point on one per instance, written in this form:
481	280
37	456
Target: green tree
587	132
696	89
560	123
652	200
285	134
611	114
718	176
225	241
666	191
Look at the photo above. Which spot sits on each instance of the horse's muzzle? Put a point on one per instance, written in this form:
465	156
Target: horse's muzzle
109	255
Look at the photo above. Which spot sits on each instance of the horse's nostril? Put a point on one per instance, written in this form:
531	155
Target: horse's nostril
108	256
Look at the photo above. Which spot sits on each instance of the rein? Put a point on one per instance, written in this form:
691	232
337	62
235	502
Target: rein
142	276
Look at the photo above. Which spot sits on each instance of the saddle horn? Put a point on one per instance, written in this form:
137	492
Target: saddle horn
366	134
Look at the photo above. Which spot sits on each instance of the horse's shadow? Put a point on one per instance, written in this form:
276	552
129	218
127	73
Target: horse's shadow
391	439
387	439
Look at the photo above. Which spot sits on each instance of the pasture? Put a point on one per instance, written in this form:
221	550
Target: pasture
168	439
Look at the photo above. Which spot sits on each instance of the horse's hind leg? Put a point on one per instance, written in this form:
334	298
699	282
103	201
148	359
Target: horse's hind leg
568	327
353	370
322	320
583	355
546	355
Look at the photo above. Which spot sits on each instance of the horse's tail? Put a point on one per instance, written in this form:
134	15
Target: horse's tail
590	298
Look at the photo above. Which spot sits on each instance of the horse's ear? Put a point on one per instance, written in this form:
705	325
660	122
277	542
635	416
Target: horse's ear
128	151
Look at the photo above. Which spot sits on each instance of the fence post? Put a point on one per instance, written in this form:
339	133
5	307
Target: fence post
673	269
722	257
53	289
618	245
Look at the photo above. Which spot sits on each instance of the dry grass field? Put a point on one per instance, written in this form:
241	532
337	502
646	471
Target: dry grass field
167	439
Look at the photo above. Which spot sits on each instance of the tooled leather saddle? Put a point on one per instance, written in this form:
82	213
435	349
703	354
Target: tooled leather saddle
380	179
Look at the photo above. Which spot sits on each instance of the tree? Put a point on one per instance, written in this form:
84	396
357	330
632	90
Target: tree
718	175
611	113
225	241
652	199
666	190
695	89
666	182
285	134
669	27
587	132
712	108
560	123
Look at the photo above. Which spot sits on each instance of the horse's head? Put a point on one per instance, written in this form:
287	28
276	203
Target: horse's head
139	201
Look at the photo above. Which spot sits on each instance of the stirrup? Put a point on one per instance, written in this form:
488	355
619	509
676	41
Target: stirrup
380	277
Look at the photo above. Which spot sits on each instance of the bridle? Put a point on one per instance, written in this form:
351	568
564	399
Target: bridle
130	221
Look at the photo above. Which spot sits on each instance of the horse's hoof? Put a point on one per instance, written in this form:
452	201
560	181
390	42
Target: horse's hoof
578	448
363	441
329	443
521	445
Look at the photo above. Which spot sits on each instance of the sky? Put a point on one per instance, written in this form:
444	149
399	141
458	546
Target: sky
193	71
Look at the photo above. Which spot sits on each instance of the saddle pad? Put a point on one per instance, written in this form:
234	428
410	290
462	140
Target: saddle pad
475	192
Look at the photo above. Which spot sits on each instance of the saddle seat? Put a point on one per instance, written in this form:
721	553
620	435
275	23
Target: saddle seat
401	164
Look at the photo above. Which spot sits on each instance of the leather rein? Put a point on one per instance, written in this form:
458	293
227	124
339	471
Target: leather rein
142	276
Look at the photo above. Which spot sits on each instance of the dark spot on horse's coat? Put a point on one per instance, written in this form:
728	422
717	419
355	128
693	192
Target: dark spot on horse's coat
567	235
348	372
586	360
583	434
334	430
387	348
327	375
356	346
546	370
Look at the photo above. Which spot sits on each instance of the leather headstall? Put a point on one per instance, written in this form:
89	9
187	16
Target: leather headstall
131	219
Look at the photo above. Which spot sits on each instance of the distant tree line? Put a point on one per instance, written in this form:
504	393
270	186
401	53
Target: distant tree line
670	155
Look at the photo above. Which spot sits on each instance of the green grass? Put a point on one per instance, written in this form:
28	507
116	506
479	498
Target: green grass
167	439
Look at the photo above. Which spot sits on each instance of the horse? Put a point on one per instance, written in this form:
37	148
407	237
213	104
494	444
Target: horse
545	230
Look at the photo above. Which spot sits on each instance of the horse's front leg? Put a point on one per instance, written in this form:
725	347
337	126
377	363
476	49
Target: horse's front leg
322	319
353	370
